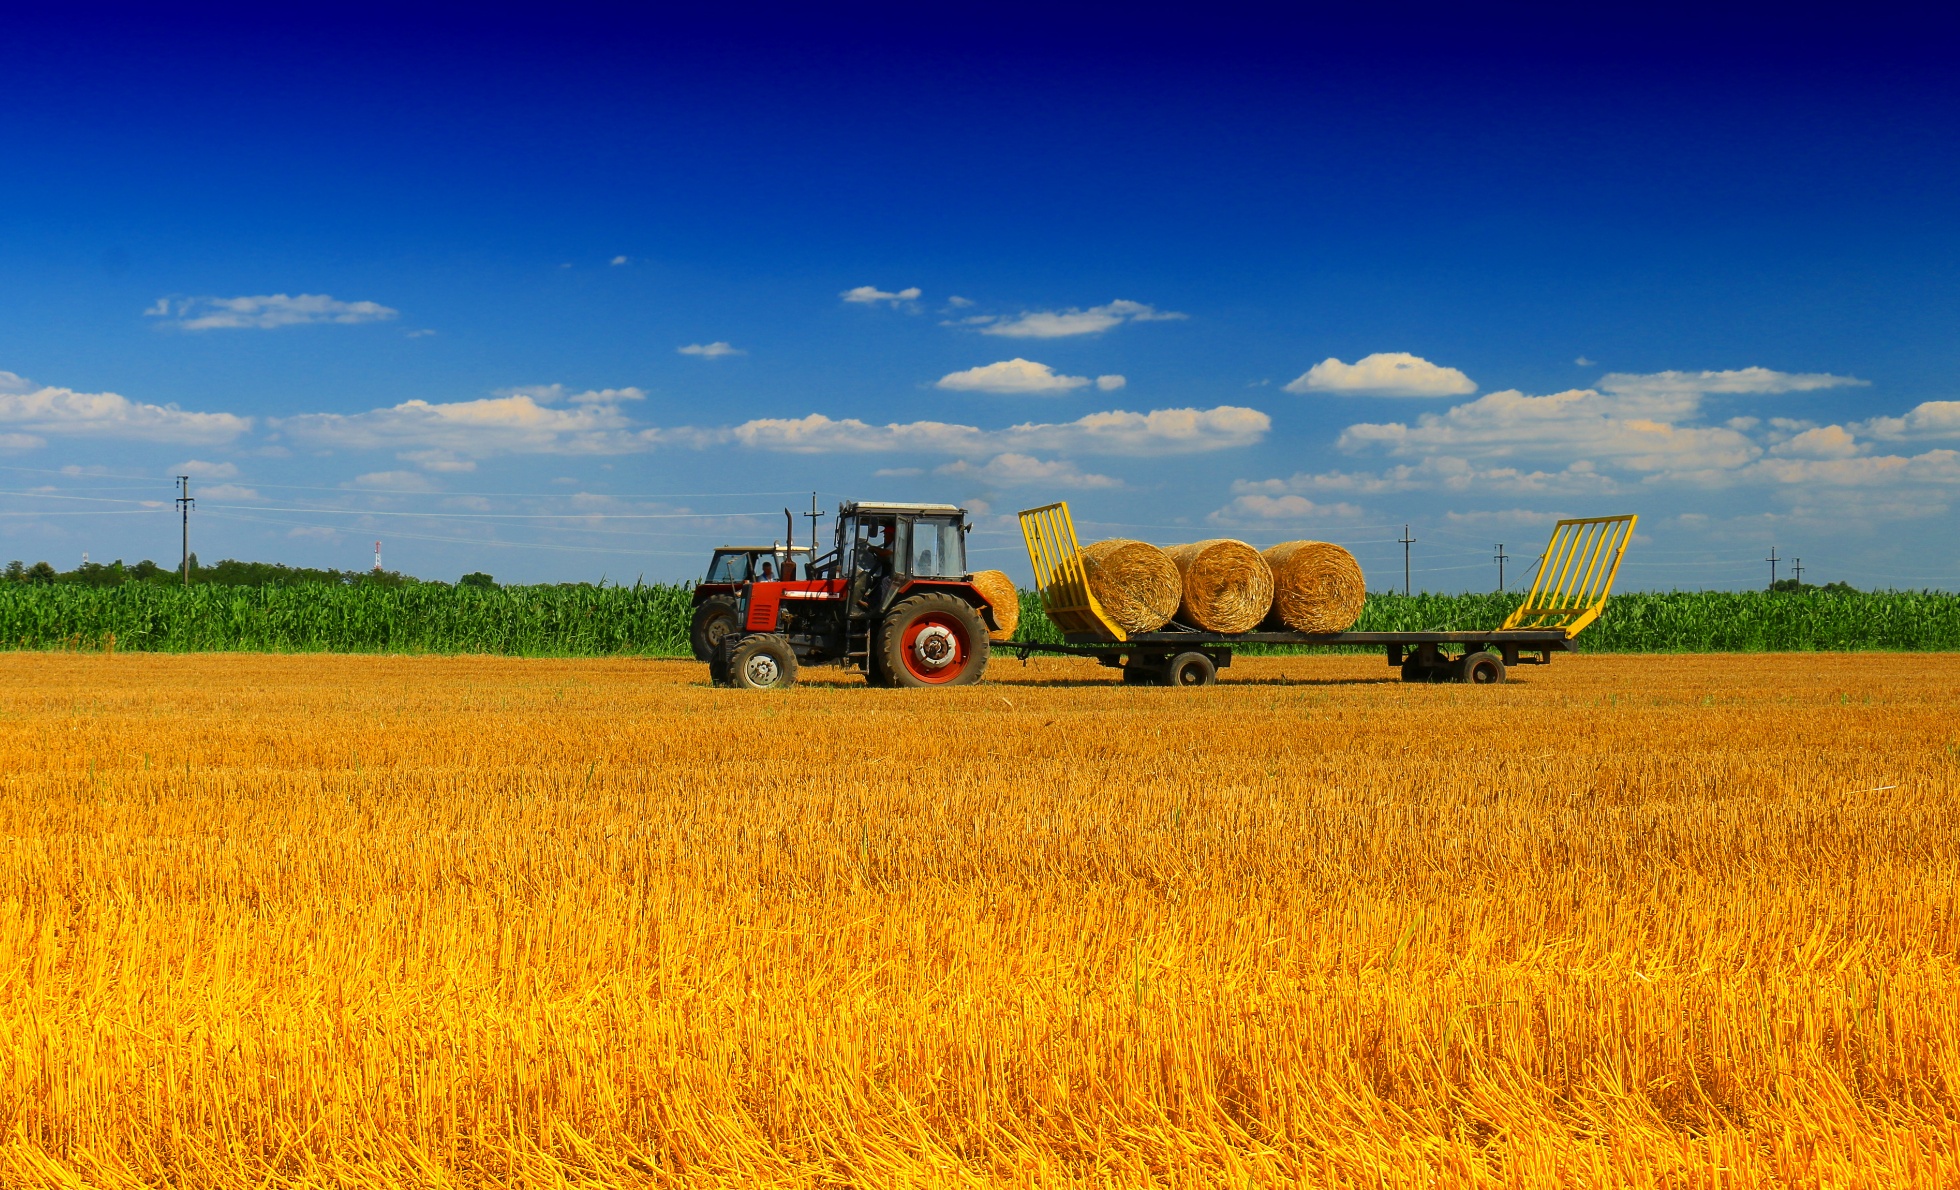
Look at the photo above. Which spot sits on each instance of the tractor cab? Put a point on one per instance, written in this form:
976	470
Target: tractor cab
885	548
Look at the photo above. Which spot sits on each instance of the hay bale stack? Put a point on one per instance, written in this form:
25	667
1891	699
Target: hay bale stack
1227	586
1135	582
1317	587
1005	599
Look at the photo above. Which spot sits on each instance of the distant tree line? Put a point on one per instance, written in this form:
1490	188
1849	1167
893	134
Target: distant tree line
228	573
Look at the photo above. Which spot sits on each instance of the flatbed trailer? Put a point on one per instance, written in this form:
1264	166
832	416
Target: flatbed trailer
1575	574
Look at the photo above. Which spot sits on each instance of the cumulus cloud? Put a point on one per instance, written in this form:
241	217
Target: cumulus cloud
1116	432
1111	383
1443	473
1259	508
1019	470
871	295
199	469
715	350
1015	377
618	260
1819	442
264	311
1930	419
1383	374
21	442
437	460
1060	324
63	412
520	421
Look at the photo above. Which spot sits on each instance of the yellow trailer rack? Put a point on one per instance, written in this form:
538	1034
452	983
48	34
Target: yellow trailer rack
1574	577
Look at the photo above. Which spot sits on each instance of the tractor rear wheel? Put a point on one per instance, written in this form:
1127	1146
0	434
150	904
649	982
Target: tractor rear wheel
762	662
932	640
714	619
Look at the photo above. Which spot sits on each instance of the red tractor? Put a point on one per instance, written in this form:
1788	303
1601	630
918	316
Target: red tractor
893	601
715	596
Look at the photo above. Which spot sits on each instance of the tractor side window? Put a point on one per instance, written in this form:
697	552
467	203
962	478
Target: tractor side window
729	568
938	550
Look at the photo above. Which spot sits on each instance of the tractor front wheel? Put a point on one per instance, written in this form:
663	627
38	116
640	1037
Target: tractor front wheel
762	662
932	640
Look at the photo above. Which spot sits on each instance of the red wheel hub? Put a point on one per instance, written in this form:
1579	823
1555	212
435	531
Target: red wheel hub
935	648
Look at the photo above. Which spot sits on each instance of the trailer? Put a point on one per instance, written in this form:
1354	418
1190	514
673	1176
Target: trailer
1574	576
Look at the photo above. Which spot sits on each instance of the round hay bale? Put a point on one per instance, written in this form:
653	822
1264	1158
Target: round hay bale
1317	586
1134	581
1227	586
1005	599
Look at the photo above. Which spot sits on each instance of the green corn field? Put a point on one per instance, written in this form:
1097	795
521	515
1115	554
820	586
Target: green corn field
582	621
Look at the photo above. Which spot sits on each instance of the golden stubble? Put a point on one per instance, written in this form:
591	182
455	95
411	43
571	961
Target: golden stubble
1626	921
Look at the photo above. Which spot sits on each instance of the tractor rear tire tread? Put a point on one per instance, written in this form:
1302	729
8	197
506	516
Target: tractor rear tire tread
948	611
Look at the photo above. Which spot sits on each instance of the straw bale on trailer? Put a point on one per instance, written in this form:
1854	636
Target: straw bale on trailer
1135	582
1317	586
1003	597
1227	586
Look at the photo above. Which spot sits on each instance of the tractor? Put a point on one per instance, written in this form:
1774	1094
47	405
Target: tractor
716	595
893	601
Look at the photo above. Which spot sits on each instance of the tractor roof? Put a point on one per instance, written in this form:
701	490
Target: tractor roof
884	506
761	549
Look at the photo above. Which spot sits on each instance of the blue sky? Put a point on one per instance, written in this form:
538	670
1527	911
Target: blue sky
586	296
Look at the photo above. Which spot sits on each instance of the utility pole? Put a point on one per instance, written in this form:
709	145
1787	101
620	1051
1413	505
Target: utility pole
813	514
1797	571
1406	541
184	503
1772	560
1501	556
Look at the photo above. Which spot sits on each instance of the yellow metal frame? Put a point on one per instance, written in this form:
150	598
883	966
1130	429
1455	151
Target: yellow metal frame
1061	576
1575	574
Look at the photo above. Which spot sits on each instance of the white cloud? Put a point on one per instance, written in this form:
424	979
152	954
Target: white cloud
265	311
519	422
1116	432
63	412
1930	419
1058	324
1739	380
21	442
1438	473
227	491
871	295
959	303
393	481
1261	509
715	350
1383	374
436	460
199	469
1932	467
424	333
1017	377
1111	383
618	260
1820	442
898	472
1583	362
1019	470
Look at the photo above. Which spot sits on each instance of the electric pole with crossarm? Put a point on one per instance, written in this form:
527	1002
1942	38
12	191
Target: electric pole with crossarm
184	503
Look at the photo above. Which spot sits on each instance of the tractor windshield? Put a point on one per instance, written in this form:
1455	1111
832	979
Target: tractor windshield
729	568
937	548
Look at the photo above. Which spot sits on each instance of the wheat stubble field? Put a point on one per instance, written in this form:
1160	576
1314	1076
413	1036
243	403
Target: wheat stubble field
309	920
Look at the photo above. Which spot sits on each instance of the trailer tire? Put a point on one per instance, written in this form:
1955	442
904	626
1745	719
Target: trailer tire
763	661
933	639
713	620
1480	669
1413	670
1191	669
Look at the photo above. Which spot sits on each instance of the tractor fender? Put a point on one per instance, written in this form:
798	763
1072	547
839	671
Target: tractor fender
954	587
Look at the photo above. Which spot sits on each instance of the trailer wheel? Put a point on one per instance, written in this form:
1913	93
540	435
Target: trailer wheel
1191	669
933	639
714	619
762	662
1413	670
1481	669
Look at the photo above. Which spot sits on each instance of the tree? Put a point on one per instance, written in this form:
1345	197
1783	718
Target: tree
40	572
16	571
477	578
